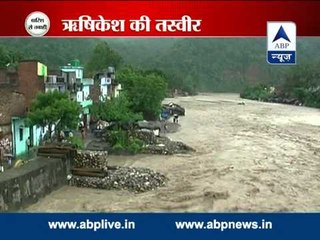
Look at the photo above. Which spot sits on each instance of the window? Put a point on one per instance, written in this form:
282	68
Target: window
21	134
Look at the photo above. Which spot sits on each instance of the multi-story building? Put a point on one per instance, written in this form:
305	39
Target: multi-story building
71	79
108	86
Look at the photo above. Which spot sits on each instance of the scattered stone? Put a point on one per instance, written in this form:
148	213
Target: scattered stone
165	146
91	159
145	135
123	178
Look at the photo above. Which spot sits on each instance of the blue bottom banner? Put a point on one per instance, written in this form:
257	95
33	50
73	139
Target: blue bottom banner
140	226
282	57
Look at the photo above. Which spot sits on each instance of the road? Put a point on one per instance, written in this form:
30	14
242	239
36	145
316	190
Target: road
257	157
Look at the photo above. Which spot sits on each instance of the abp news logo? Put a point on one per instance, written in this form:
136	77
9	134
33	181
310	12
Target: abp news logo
281	43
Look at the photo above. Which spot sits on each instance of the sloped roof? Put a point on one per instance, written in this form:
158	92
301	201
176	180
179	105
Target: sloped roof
12	104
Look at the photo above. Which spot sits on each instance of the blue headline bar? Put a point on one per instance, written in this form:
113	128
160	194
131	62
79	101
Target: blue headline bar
118	226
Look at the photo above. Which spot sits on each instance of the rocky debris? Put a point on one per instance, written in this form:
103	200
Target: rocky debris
5	144
91	159
165	146
151	125
123	178
146	135
164	126
291	101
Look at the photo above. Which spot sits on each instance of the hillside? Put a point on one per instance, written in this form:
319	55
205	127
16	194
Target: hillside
205	64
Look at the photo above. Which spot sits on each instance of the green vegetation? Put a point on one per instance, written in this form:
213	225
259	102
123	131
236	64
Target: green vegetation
259	93
102	57
52	52
9	57
301	83
54	108
207	65
76	141
119	110
121	142
145	90
115	110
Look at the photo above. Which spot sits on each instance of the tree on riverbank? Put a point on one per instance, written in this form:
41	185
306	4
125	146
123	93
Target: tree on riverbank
145	91
54	108
115	110
302	86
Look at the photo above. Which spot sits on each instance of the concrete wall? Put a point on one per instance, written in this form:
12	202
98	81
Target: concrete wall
23	186
37	133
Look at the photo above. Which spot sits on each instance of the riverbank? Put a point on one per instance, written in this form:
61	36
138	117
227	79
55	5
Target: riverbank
256	157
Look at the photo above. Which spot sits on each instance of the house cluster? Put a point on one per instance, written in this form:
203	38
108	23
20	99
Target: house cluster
20	85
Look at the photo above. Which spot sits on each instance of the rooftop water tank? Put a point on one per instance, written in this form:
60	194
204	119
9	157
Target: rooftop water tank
75	63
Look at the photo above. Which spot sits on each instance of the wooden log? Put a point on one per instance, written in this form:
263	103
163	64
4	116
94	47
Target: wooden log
51	155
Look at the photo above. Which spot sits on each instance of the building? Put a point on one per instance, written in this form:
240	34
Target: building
84	98
71	79
19	86
108	86
31	79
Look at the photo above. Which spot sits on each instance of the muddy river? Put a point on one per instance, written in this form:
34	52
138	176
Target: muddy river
256	157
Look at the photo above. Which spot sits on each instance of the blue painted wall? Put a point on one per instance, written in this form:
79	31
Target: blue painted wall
20	134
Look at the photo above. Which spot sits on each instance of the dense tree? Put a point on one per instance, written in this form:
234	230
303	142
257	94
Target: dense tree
145	91
102	57
8	57
117	109
303	76
54	108
203	64
52	52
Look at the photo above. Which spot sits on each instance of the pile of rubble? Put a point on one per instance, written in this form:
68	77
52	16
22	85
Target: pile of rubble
125	178
91	159
290	101
165	146
145	135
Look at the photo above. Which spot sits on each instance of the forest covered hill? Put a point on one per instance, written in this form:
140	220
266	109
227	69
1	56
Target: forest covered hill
203	64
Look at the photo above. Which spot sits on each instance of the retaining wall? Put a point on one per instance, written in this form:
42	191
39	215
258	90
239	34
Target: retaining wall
23	186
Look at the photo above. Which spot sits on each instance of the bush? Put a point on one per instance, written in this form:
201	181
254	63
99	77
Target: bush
260	93
120	141
117	137
76	141
118	147
135	146
300	94
312	99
